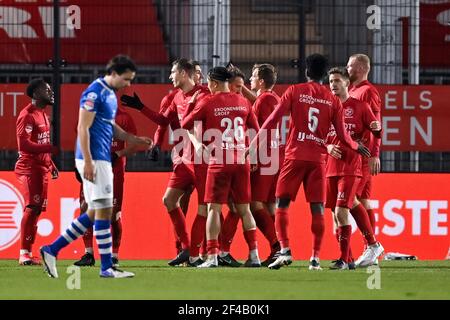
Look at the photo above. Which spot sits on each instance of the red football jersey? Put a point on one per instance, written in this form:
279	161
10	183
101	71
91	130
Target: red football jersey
126	122
313	109
165	103
33	141
357	117
231	114
366	92
263	106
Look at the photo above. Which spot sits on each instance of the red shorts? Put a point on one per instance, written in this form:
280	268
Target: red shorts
364	190
263	186
341	191
225	180
201	171
182	177
34	189
118	190
294	173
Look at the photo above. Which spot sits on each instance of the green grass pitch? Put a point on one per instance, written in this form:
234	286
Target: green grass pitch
156	280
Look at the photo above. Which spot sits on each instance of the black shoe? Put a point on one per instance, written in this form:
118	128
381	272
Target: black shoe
182	257
196	263
115	262
229	261
352	265
339	265
252	264
87	260
270	259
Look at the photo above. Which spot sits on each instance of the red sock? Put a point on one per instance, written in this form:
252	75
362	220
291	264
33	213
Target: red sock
228	231
337	233
344	241
281	227
265	224
213	246
317	229
88	238
28	229
350	254
116	232
179	222
203	249
197	235
250	238
371	218
361	217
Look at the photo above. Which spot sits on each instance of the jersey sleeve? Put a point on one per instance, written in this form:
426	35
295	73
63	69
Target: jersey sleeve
281	109
368	118
196	114
24	128
130	126
252	122
90	100
373	99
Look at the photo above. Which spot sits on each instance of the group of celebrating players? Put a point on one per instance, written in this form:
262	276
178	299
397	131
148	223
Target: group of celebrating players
230	147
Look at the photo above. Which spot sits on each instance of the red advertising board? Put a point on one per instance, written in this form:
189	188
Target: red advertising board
91	31
412	213
415	118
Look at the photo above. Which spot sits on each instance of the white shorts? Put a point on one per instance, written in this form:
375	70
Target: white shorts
102	187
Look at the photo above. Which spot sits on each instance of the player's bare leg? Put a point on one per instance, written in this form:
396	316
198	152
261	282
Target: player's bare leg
249	226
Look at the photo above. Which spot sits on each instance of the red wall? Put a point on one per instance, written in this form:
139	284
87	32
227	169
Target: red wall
148	232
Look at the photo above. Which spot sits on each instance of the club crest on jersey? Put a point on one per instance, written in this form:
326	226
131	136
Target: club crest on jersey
348	112
28	128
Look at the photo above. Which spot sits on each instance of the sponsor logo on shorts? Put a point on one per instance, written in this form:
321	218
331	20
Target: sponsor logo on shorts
108	188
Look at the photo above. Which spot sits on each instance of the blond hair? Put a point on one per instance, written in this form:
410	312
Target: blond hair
362	59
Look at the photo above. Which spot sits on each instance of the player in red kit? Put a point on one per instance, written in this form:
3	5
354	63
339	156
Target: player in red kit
225	117
313	109
119	152
344	170
159	136
263	183
358	67
34	163
184	176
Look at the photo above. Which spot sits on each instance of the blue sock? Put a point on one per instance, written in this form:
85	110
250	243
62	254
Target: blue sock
76	230
102	232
